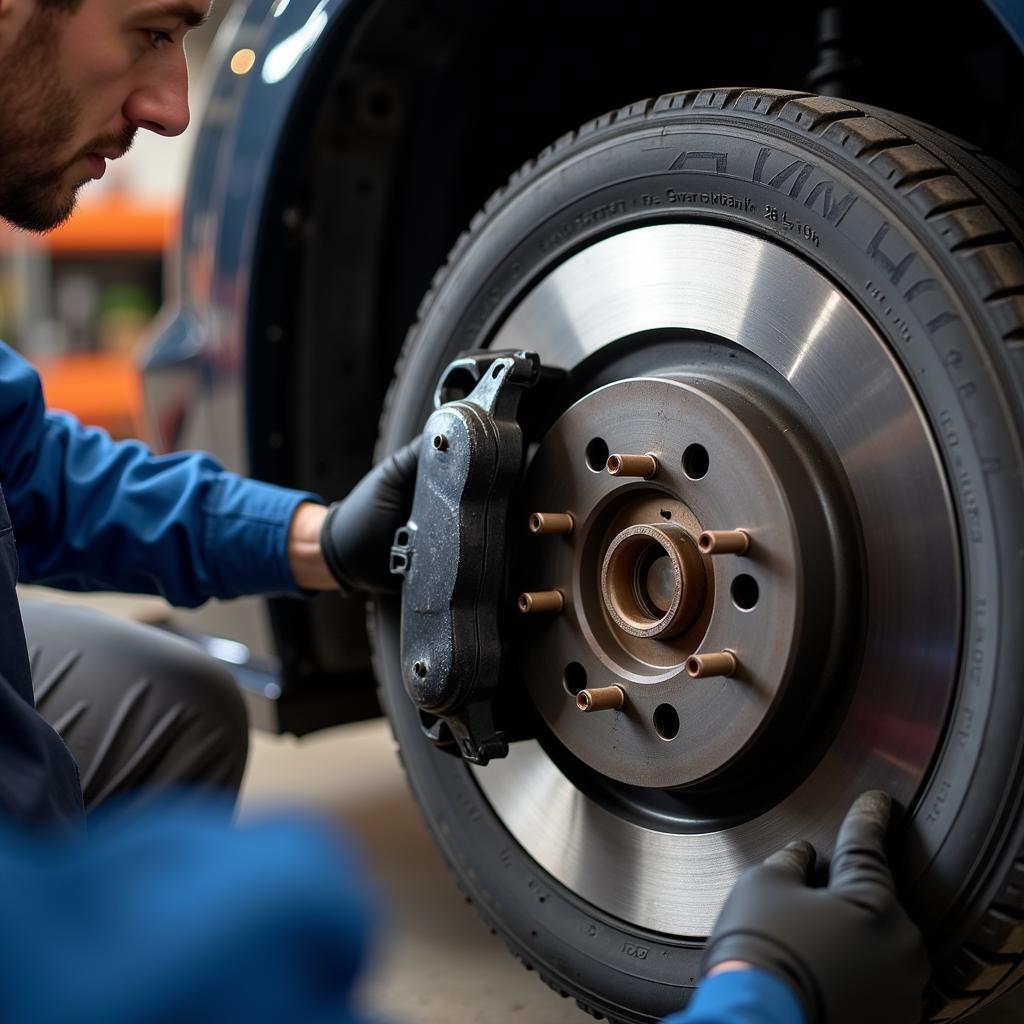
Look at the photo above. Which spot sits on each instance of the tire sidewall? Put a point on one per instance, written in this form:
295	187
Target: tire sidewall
847	220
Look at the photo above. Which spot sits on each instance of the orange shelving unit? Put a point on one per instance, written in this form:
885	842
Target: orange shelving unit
108	226
100	388
114	231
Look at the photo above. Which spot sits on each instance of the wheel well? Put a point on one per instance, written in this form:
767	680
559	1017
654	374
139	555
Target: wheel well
422	108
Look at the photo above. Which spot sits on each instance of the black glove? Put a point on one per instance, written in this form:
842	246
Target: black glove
850	951
359	530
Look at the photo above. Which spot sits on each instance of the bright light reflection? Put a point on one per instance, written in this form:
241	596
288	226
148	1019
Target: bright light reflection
282	58
230	651
242	62
820	323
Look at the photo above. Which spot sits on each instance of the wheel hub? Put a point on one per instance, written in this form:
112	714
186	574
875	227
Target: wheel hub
704	646
653	581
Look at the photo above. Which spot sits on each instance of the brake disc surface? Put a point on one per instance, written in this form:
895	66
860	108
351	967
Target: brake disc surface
764	476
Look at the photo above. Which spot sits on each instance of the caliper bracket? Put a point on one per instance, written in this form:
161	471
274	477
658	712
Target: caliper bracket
452	551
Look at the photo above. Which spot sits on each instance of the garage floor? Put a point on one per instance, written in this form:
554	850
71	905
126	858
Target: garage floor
438	963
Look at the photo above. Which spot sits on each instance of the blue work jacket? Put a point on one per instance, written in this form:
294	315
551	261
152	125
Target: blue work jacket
82	512
742	997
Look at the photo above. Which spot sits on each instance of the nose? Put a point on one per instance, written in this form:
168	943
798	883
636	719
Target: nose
159	103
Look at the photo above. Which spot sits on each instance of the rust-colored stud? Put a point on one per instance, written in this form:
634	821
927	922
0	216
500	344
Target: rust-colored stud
602	698
644	466
541	601
724	542
551	522
701	666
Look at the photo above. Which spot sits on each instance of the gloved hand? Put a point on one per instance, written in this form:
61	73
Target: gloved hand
359	530
849	950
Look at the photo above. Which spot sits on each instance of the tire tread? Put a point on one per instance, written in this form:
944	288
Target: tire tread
969	203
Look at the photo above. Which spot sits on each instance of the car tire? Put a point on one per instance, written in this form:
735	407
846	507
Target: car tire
923	235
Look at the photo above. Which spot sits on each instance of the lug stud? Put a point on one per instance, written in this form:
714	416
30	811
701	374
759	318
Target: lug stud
551	522
602	698
541	601
644	466
701	666
724	542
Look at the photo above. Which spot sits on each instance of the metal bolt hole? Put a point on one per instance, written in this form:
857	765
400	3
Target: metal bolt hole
597	455
696	461
745	592
574	678
666	721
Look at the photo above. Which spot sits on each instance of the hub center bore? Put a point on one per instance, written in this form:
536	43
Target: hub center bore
653	580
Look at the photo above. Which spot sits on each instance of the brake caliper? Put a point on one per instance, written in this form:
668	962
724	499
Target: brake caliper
452	552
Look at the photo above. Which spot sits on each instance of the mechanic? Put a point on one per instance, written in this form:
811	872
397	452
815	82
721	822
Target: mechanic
138	709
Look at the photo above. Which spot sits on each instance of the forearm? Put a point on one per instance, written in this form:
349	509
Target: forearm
305	555
90	513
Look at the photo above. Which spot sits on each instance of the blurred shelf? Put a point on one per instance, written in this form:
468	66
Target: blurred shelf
101	389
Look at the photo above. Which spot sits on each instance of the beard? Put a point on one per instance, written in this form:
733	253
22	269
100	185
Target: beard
38	118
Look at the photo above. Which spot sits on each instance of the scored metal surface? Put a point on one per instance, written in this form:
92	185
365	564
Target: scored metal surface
758	295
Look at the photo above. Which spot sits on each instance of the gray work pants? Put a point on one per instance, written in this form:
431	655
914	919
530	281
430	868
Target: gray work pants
141	711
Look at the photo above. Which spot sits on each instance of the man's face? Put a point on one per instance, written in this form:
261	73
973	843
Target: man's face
76	87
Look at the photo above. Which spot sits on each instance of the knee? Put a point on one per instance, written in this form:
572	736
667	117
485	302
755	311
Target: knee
138	707
190	677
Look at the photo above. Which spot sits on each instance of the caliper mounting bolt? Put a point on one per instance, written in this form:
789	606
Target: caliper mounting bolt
701	666
724	542
602	698
644	466
541	601
551	522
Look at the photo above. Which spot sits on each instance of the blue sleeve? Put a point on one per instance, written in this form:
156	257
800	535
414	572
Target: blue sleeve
93	514
177	916
742	997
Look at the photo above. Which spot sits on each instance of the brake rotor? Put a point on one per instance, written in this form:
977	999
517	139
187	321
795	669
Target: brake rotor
668	861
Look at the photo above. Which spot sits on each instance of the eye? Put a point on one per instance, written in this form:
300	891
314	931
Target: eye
158	38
